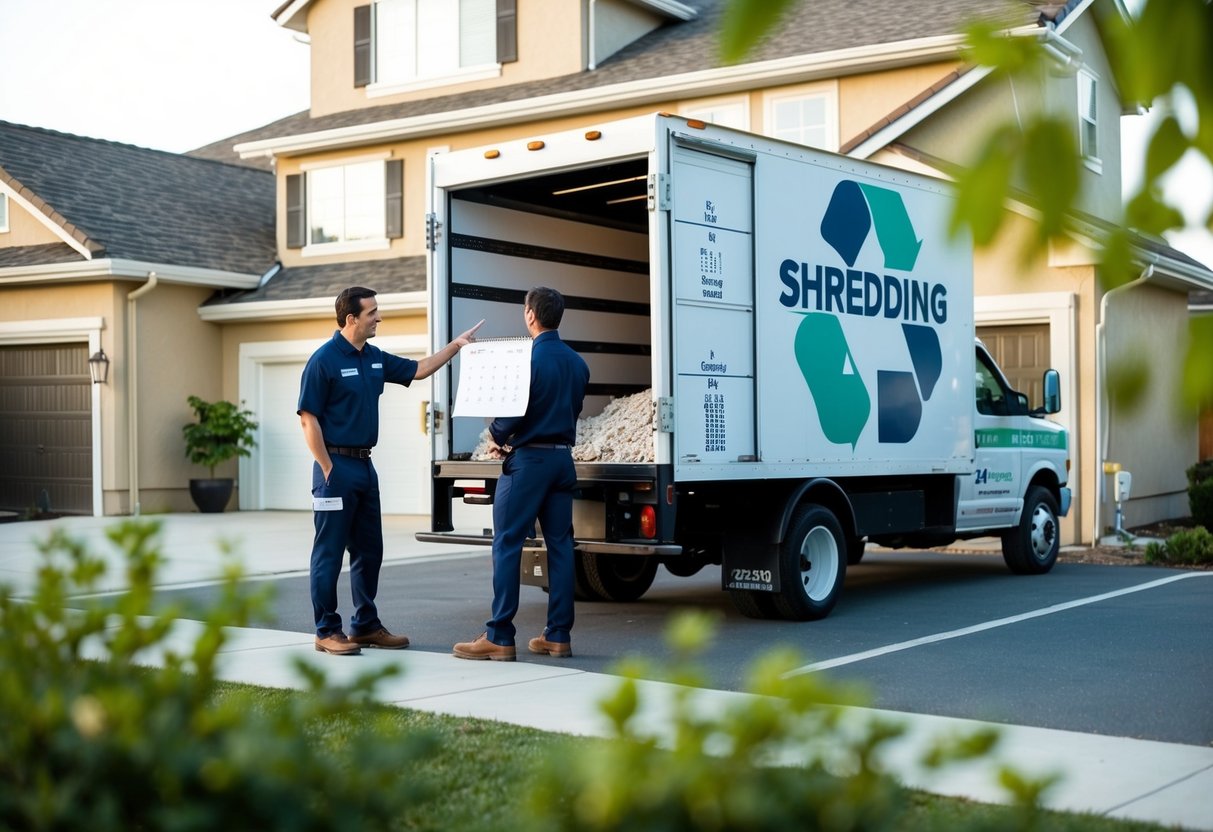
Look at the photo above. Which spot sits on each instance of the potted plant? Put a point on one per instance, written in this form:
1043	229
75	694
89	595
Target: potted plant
222	431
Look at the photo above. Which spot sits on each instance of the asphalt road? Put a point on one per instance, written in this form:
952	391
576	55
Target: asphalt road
1122	651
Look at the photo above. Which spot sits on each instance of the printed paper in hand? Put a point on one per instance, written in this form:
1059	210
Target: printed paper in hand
494	378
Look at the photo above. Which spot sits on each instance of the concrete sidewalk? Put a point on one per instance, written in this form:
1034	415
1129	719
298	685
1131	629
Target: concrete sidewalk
1166	783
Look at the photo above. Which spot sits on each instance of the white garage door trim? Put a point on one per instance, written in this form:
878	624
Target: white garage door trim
67	331
254	357
1058	310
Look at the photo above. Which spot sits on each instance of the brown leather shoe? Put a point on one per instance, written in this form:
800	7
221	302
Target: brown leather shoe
482	648
558	649
337	644
382	639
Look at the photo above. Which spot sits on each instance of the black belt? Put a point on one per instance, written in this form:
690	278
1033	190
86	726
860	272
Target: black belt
359	453
547	446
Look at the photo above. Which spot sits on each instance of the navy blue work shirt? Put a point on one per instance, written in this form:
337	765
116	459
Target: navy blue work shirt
341	388
558	379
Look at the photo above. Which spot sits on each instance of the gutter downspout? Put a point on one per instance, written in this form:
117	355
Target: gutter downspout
592	63
1101	392
132	387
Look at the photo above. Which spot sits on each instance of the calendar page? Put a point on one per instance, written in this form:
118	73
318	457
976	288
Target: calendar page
494	378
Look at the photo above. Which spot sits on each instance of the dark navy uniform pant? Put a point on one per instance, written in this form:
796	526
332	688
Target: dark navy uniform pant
358	527
535	484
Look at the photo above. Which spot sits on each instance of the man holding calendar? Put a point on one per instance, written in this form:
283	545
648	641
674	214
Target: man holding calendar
536	484
339	411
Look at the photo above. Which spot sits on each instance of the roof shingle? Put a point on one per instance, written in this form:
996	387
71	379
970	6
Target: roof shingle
133	203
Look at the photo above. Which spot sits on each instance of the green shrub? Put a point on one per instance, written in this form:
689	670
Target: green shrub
1200	502
1190	547
92	739
790	758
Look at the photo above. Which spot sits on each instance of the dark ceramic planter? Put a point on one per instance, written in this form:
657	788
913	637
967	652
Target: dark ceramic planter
211	496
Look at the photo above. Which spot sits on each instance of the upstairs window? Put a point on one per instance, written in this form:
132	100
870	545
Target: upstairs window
1088	118
3	213
727	112
404	44
803	117
350	207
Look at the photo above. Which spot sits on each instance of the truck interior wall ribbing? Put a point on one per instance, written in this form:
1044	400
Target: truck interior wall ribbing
498	252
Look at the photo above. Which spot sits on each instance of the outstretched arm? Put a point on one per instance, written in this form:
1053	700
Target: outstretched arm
429	365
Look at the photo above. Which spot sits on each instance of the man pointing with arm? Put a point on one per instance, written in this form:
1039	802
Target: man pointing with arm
339	412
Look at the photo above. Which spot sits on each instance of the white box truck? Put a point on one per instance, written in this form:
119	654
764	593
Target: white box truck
803	323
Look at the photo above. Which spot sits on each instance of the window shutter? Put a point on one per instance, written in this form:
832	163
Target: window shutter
507	31
362	46
296	213
393	190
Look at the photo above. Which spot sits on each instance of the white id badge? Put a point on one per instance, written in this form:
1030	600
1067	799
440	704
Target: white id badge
326	504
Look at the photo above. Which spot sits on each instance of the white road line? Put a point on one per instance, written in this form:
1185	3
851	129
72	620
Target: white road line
989	625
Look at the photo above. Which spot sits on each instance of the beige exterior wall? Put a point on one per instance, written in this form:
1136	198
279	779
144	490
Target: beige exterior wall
1101	194
176	355
24	229
551	42
865	99
414	153
1156	438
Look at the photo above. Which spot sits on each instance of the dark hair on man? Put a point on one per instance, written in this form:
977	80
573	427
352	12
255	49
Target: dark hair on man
349	302
548	306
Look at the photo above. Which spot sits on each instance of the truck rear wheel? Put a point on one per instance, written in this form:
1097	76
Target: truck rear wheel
812	565
619	577
1031	547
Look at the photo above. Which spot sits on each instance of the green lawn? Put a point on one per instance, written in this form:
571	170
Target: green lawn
477	775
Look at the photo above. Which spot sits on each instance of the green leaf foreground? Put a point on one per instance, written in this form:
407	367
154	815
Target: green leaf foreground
1162	57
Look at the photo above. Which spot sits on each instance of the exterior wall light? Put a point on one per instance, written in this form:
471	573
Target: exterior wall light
99	367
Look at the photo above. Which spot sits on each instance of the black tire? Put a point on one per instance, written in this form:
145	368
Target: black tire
1031	547
855	546
619	577
812	565
753	604
582	591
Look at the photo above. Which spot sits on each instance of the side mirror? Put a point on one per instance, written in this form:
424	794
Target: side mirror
1052	385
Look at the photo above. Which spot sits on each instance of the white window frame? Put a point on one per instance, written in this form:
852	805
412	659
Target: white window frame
827	92
3	213
344	246
379	87
705	108
1088	94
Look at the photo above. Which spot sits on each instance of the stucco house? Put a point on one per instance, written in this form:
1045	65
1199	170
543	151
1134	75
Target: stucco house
106	252
395	81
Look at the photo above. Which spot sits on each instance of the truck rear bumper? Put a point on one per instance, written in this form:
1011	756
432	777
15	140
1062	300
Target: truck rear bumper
597	547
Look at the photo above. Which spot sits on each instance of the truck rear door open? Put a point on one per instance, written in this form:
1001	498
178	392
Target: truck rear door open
712	229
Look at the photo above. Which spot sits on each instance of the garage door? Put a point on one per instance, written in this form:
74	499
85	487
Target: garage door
46	434
402	456
1022	351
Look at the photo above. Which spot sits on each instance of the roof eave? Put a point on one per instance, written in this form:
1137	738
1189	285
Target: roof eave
718	80
292	14
283	310
668	8
111	269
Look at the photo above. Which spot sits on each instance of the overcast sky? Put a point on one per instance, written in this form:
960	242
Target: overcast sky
167	74
179	74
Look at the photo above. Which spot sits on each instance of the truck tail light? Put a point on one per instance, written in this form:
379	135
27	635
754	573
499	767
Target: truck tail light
648	522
